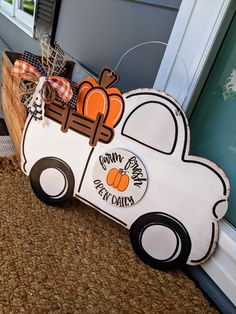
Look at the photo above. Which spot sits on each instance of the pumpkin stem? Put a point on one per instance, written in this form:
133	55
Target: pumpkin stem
108	77
121	170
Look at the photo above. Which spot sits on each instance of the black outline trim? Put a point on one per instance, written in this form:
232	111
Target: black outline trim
79	86
51	162
99	116
75	130
85	168
54	111
76	122
210	247
101	210
185	136
23	144
112	83
86	96
123	108
159	218
54	120
176	128
54	104
108	102
67	118
214	208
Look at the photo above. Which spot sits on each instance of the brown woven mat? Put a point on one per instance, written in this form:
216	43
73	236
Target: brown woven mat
75	260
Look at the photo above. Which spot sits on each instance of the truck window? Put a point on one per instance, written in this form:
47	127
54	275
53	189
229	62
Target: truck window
154	125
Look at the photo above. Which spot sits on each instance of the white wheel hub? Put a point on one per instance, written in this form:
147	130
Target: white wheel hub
160	242
53	182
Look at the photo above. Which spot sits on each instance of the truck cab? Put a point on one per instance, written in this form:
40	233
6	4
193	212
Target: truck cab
139	174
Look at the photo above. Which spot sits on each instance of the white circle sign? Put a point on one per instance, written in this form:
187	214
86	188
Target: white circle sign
120	178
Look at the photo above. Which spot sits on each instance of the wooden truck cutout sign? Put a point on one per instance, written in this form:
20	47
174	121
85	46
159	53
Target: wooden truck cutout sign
128	157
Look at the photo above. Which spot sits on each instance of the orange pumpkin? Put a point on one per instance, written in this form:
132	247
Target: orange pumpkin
93	99
117	179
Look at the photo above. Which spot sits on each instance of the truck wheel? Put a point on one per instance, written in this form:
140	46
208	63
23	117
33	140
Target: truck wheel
160	240
52	180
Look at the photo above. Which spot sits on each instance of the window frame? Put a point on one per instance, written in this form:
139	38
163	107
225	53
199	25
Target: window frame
21	15
7	7
22	19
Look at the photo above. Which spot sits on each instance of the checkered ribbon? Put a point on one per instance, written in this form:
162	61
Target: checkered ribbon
24	70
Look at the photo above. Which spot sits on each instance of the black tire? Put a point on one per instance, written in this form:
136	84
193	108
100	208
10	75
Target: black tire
179	255
52	163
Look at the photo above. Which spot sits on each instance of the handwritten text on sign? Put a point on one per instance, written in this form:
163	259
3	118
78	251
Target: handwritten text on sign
120	178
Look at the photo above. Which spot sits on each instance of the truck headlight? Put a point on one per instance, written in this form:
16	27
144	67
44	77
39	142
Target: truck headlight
220	209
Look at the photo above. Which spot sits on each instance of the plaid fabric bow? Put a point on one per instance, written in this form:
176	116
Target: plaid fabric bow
23	69
37	88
